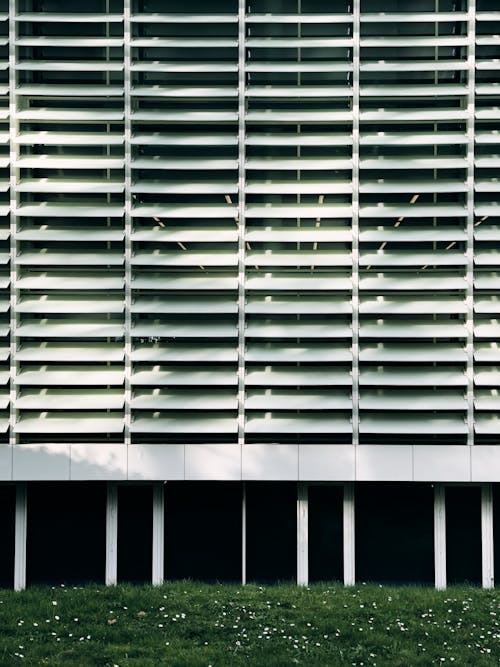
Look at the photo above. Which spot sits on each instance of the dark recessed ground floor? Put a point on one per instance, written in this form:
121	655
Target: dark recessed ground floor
420	533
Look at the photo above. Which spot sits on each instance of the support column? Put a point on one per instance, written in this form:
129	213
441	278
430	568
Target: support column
21	520
158	534
244	533
111	575
439	537
488	563
302	534
349	535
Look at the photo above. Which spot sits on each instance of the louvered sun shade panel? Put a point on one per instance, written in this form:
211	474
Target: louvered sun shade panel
487	226
69	74
5	227
298	240
184	87
257	222
414	195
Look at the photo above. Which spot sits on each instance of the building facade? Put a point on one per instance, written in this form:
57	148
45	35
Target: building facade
250	286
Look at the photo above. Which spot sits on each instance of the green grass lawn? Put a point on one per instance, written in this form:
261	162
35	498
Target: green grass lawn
189	624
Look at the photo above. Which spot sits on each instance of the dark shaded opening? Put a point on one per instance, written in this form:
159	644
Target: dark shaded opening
66	539
271	521
326	533
463	534
7	530
135	533
496	532
395	533
203	531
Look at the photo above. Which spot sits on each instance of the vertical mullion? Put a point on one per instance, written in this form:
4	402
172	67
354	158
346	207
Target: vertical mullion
355	221
127	218
241	221
471	85
13	178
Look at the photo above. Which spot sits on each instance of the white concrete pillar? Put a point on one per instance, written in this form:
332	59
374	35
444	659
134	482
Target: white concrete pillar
302	534
439	537
349	535
488	568
111	575
21	520
244	533
158	534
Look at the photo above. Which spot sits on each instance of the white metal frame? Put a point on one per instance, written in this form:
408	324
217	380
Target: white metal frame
471	106
364	321
355	221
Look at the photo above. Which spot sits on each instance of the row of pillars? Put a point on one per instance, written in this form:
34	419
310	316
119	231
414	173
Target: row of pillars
440	576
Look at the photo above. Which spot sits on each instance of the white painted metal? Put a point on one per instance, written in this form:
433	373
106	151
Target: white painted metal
111	573
355	219
127	101
471	82
13	178
241	219
439	537
295	231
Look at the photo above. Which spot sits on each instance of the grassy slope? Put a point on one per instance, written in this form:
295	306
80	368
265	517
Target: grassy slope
190	624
